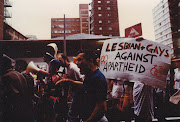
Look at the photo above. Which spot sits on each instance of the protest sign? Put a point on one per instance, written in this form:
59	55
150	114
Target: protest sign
145	61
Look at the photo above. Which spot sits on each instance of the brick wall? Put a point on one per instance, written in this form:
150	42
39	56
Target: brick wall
1	18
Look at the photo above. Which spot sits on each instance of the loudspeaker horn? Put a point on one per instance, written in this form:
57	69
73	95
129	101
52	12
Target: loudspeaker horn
34	69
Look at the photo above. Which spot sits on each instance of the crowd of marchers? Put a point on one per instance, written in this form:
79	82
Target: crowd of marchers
77	91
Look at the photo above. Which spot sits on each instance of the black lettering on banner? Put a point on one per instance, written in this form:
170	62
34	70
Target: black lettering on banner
114	47
126	45
139	57
130	56
121	46
167	54
161	51
107	48
130	68
151	57
136	56
123	57
120	64
141	69
118	56
123	67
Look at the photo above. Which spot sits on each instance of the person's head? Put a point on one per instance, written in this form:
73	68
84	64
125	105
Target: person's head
54	66
86	61
20	65
63	59
177	64
5	64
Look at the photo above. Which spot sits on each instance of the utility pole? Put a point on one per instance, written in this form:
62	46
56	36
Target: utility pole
64	35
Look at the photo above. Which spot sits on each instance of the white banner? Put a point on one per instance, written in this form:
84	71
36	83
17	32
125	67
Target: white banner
145	61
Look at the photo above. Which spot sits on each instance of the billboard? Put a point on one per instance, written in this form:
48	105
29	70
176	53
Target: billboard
133	31
145	61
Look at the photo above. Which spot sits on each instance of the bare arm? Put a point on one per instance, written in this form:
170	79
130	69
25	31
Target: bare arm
110	86
128	99
99	109
69	81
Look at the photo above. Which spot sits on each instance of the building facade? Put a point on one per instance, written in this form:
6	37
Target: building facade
9	33
1	18
84	18
166	24
72	26
104	18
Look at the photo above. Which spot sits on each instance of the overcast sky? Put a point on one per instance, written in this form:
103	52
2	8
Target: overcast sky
33	17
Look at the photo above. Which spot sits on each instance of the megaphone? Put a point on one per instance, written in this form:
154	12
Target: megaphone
34	69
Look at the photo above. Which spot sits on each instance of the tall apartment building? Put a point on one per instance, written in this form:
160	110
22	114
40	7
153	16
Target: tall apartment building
73	25
166	24
84	18
104	18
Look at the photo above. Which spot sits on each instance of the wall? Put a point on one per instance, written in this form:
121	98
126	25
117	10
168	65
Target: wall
1	18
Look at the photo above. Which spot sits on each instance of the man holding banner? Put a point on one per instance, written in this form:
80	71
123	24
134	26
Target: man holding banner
144	62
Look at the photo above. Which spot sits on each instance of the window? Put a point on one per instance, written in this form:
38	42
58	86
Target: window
68	26
109	21
110	28
99	8
108	1
99	1
108	8
68	31
99	15
61	26
108	15
100	28
100	21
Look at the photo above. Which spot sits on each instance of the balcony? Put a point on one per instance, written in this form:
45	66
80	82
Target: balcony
6	13
7	3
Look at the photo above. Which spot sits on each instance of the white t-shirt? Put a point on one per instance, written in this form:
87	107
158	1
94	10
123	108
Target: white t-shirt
117	90
177	78
73	72
143	100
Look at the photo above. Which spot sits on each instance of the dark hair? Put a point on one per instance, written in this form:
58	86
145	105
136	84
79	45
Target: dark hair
64	56
22	64
5	64
55	63
50	50
90	54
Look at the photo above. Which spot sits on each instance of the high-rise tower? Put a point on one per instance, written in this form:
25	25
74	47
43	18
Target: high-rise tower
104	18
166	24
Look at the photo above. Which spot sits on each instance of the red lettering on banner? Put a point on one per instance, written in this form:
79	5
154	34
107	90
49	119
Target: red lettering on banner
104	59
157	72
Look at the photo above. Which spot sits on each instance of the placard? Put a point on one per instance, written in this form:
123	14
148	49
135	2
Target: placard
145	61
